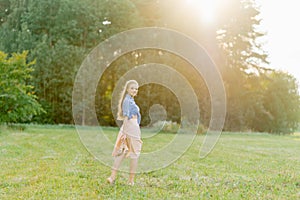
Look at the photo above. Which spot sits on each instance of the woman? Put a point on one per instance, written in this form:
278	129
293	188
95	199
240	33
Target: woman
128	143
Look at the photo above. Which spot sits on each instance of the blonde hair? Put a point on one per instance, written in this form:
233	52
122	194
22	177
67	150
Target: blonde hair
122	96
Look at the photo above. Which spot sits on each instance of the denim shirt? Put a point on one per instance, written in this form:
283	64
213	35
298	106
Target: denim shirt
130	108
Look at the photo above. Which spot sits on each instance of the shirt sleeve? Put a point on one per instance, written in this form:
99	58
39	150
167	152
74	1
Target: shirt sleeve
125	108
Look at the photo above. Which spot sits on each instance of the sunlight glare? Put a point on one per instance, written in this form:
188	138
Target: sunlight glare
206	8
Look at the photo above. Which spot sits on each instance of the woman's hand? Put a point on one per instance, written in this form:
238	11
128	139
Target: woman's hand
123	136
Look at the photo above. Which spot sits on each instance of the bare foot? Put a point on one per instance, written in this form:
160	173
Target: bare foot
110	180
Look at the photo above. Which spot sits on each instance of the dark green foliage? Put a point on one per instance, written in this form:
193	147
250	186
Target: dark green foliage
59	34
4	10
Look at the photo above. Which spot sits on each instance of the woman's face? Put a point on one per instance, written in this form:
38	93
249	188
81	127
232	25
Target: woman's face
133	89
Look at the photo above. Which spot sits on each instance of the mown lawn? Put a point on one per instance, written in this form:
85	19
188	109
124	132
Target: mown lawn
50	162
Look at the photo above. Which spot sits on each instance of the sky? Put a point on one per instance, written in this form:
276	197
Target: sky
282	40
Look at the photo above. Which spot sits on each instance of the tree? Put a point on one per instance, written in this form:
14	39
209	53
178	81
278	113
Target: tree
244	69
282	104
4	11
59	34
17	99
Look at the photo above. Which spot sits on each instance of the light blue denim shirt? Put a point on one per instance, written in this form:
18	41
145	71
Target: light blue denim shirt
130	108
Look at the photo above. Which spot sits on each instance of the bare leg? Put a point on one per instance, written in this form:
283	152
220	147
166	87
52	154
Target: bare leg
133	167
117	163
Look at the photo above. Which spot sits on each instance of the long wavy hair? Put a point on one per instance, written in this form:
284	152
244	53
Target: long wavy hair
122	96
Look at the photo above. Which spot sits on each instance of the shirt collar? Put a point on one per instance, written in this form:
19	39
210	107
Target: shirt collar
128	96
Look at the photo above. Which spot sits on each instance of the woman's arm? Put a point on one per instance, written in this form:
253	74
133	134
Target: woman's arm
125	108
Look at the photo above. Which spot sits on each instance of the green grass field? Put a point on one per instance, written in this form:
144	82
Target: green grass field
50	162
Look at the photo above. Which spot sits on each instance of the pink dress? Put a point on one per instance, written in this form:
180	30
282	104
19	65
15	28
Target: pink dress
129	139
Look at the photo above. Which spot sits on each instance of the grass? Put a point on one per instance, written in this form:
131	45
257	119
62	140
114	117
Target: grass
50	162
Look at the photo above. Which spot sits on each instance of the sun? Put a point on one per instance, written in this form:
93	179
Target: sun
207	9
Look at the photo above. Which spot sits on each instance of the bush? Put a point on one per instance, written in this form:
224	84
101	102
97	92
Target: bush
166	126
18	102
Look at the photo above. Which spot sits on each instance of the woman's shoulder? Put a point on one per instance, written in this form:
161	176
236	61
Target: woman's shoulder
127	100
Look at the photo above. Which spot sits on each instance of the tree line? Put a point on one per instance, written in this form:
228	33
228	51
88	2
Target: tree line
43	44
